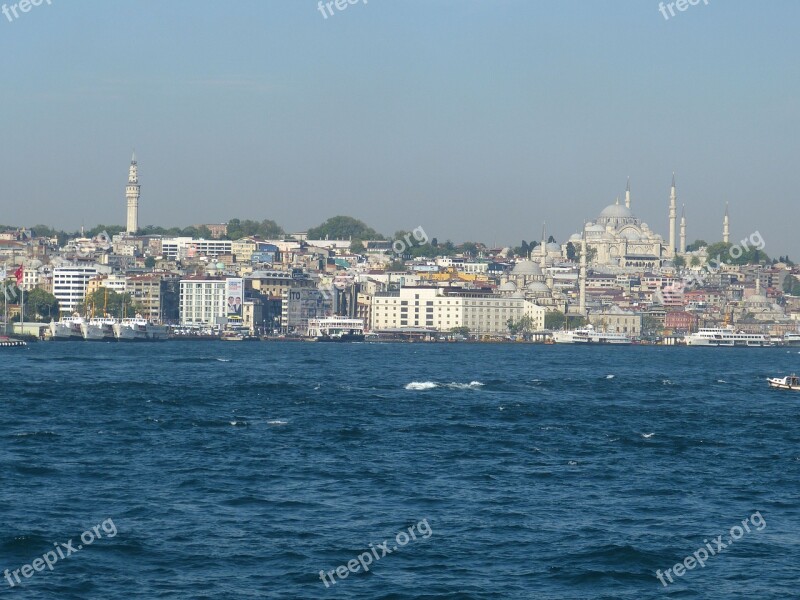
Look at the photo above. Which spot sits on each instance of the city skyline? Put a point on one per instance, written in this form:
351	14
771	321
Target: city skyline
478	123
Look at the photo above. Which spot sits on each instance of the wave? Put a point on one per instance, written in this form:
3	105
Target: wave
277	422
422	385
430	385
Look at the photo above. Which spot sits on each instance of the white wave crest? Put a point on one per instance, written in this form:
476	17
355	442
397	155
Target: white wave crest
422	385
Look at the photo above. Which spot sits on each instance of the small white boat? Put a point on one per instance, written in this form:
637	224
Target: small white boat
589	335
790	382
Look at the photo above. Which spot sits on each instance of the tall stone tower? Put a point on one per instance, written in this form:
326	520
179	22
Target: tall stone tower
132	195
673	217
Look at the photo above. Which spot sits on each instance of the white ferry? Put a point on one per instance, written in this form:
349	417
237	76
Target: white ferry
67	328
336	329
727	337
589	335
139	329
791	339
99	330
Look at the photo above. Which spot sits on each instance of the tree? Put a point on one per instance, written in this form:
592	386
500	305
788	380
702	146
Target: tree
791	285
357	247
396	266
343	228
522	326
679	262
554	319
696	245
149	262
695	261
572	252
591	253
551	240
460	330
650	325
40	306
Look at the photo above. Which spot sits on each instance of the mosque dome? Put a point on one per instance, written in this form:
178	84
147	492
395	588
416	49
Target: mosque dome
538	287
617	211
508	286
575	237
757	300
553	247
527	268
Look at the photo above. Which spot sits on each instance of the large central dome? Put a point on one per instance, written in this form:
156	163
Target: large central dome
616	215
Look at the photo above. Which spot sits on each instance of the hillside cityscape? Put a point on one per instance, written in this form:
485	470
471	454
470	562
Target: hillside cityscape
253	278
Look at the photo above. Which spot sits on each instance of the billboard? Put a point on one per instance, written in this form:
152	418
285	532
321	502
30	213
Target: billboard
234	295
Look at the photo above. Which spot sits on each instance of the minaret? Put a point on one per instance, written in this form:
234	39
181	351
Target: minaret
543	261
683	230
582	275
673	216
628	194
726	226
132	195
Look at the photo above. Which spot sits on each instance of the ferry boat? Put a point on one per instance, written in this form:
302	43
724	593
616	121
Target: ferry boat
67	329
790	382
336	329
139	329
589	335
791	339
99	330
727	337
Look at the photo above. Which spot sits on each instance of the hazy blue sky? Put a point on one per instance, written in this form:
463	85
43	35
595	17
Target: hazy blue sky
476	119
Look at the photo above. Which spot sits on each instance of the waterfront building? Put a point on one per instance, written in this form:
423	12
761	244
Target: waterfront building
203	300
70	284
443	309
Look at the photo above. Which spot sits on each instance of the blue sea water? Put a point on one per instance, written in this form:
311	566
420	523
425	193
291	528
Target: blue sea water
243	470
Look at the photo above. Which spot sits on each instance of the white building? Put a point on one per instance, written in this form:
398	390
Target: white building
202	301
70	283
185	247
442	310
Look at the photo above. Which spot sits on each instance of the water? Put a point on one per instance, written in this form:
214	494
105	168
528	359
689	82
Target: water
242	470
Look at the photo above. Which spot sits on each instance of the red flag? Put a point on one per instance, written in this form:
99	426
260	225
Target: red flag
18	274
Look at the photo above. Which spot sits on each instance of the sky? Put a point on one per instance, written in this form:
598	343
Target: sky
473	119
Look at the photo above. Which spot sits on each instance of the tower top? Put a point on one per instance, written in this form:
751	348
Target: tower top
673	179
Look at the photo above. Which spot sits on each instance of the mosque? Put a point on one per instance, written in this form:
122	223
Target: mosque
619	239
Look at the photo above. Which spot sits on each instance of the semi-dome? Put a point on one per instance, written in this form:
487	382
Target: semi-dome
756	300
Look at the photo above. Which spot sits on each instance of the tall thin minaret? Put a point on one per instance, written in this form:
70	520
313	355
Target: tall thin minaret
726	226
673	216
543	259
132	195
683	230
628	194
582	275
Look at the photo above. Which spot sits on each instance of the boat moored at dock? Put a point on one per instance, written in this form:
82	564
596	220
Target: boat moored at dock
336	329
589	335
727	337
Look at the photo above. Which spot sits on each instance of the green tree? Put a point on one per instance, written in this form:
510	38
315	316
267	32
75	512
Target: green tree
572	252
521	326
650	326
695	261
460	330
679	262
40	306
696	245
343	228
396	266
357	247
149	262
554	319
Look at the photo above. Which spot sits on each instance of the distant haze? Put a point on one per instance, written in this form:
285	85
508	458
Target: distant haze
475	119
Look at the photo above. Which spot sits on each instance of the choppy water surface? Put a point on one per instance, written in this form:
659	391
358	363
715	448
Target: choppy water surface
243	470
